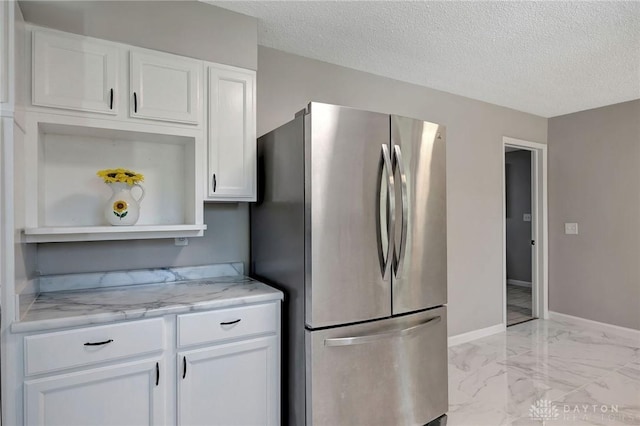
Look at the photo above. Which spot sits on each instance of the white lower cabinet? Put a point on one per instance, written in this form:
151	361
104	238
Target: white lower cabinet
230	384
122	374
124	394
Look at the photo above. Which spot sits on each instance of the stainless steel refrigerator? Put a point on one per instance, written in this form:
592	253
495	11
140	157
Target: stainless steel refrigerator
350	223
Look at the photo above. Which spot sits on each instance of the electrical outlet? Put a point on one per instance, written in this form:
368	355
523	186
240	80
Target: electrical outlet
526	217
571	228
183	241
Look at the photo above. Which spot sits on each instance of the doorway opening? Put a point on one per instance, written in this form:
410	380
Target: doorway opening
524	231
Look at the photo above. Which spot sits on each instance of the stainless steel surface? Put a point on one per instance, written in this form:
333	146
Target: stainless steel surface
386	213
345	284
421	279
304	111
277	249
369	338
401	249
396	381
324	230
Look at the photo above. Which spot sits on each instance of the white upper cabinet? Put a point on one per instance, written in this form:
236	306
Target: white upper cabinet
165	87
232	134
81	73
124	98
75	73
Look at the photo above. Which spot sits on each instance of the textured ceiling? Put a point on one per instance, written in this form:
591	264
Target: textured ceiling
546	58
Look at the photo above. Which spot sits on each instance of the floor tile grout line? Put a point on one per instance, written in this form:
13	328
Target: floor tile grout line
591	382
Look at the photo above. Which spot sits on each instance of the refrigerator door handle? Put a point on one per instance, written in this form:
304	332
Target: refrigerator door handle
399	261
386	261
359	340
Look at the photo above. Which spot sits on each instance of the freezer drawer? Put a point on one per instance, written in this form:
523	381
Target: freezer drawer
388	372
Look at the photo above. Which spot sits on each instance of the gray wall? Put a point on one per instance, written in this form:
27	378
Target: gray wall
187	28
225	240
518	197
475	129
594	180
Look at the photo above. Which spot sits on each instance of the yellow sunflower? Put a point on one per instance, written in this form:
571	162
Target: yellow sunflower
120	206
120	175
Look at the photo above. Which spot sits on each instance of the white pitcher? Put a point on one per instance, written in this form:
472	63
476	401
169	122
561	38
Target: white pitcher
122	208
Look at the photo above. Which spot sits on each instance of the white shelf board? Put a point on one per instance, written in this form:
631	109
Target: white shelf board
106	233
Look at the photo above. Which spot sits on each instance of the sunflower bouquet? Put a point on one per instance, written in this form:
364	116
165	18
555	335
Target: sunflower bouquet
120	175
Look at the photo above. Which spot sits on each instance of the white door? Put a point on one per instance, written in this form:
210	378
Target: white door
165	87
126	394
231	384
232	135
528	228
75	73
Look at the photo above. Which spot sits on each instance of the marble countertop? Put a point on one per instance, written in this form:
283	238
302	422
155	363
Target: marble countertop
59	309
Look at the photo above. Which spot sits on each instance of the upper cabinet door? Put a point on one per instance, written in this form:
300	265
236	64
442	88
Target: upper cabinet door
74	73
165	87
232	134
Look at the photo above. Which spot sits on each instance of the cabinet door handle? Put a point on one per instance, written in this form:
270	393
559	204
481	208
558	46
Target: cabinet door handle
214	182
231	322
157	373
98	343
111	99
184	367
135	102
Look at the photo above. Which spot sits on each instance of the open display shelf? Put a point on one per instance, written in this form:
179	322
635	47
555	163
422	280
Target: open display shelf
68	199
101	233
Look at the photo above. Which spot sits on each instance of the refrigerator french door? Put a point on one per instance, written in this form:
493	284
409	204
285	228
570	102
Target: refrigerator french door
345	283
351	223
420	260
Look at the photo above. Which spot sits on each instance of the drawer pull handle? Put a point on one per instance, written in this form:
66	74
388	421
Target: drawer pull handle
98	343
357	340
231	322
184	367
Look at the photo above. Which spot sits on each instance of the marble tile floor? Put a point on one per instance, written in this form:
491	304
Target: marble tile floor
518	304
578	375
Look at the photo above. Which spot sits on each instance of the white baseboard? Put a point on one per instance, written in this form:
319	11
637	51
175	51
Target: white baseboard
519	283
475	334
630	333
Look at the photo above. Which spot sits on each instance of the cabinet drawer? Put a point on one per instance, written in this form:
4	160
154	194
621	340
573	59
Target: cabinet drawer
80	347
223	324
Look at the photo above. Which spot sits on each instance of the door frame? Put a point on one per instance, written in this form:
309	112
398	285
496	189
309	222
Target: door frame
539	227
